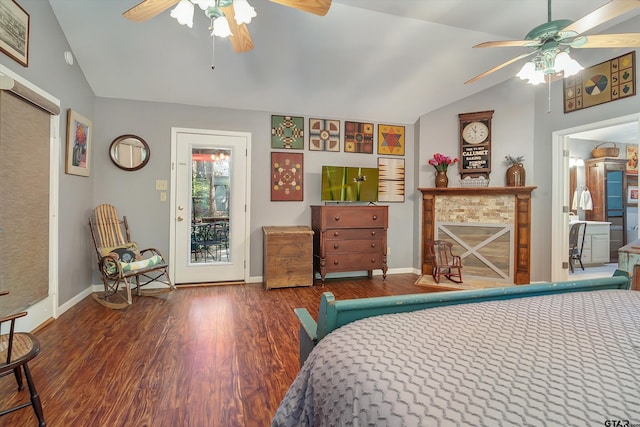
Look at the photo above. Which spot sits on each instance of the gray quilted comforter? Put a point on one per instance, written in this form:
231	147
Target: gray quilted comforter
565	359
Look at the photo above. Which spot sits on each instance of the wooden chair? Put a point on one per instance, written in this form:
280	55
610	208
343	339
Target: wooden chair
576	243
120	260
16	349
443	261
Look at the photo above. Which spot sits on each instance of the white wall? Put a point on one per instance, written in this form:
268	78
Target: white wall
135	196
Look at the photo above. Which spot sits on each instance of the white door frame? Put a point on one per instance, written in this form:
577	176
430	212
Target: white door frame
560	198
47	308
174	176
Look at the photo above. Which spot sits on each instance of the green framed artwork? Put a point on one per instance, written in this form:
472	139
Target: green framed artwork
390	179
358	137
324	135
391	140
287	132
608	81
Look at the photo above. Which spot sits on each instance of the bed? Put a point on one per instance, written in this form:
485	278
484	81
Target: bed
568	357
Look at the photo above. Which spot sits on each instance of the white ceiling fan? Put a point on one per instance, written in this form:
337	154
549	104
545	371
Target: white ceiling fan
237	29
549	43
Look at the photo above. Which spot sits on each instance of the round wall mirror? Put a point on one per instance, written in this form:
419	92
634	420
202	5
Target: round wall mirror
129	152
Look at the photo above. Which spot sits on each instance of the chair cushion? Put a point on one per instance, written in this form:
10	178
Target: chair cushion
138	265
130	258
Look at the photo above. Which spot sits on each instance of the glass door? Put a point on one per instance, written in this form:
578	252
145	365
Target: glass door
209	207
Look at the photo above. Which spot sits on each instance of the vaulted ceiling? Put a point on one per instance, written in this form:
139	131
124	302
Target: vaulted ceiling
376	60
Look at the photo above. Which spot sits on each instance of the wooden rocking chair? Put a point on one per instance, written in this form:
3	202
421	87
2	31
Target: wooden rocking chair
120	260
443	261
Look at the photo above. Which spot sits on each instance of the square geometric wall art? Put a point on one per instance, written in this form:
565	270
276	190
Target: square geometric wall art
391	140
286	177
358	137
390	180
287	132
324	135
608	81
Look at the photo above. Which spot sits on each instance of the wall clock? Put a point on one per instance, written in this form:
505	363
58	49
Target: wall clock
475	143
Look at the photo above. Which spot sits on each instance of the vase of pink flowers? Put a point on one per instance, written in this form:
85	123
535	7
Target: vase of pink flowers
441	163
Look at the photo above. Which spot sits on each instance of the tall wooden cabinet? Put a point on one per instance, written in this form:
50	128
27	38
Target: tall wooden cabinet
606	181
349	238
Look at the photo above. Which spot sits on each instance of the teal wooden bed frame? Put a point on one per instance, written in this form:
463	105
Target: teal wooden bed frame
334	314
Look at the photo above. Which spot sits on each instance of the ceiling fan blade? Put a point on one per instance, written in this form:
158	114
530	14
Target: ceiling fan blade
611	10
509	43
148	9
607	40
317	7
496	68
240	38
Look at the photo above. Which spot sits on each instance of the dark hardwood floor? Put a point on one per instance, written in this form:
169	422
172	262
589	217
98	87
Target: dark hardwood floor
200	356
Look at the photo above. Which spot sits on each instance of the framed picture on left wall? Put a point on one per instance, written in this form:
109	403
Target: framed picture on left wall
14	38
78	159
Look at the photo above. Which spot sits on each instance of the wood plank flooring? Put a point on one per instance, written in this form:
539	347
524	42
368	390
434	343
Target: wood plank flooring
200	356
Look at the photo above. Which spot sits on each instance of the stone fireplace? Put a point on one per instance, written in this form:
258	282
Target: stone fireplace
490	228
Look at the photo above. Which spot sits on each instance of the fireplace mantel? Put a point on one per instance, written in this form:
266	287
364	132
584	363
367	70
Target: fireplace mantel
521	217
463	191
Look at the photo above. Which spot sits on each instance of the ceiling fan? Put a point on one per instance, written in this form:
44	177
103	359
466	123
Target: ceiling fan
550	42
239	34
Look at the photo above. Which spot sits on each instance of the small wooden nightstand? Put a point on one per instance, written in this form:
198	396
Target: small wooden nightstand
288	257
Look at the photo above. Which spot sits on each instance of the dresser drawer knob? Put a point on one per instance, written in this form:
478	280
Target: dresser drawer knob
375	217
336	233
373	245
336	246
373	233
337	218
336	262
373	260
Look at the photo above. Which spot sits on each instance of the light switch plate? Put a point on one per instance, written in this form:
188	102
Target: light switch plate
161	184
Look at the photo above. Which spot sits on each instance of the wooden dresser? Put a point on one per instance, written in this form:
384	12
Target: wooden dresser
287	257
349	238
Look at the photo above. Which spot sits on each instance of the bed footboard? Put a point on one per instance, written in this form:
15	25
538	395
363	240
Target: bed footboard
334	314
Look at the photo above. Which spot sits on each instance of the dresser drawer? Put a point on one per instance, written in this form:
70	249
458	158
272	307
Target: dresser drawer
347	217
355	246
353	262
354	234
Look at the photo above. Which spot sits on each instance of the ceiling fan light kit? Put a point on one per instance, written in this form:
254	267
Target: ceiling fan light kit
550	61
243	12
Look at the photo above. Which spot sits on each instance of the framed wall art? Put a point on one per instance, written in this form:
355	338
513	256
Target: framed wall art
608	81
287	132
324	135
14	38
358	137
78	156
391	140
632	158
286	177
390	180
632	195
